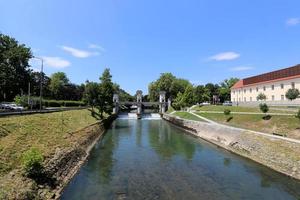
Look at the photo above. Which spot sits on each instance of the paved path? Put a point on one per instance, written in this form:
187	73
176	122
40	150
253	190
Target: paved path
245	113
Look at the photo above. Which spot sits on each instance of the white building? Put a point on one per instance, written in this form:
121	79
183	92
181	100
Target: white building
273	84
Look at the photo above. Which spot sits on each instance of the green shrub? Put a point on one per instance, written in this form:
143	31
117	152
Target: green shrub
32	161
227	112
264	107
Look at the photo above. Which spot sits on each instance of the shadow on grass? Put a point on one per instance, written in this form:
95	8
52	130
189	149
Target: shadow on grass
229	119
267	117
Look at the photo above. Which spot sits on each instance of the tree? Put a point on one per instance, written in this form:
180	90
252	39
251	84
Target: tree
35	78
123	95
14	67
292	94
185	99
261	97
225	88
104	102
169	83
91	93
58	82
264	108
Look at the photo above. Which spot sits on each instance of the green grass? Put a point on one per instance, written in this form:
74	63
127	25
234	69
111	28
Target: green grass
237	109
186	115
43	131
285	125
170	109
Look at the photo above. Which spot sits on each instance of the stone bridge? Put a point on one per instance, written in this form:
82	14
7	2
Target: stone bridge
162	103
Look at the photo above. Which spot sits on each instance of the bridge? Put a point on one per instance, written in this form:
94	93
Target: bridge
162	103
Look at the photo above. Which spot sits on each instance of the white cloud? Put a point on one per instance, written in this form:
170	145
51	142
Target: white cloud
56	62
293	21
95	46
241	68
78	52
225	56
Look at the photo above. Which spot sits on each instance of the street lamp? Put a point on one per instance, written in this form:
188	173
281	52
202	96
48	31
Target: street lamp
41	80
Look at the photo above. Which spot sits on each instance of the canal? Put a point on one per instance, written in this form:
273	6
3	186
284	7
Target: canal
152	159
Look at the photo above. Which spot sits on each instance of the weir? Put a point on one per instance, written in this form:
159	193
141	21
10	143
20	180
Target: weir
139	105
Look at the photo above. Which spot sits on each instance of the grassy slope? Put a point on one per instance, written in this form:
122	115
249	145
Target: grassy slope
279	124
237	109
186	115
44	131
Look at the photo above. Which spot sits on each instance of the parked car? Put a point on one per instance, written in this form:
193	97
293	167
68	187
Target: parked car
227	103
205	103
4	105
15	107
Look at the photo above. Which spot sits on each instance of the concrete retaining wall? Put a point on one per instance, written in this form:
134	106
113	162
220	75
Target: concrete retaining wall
278	154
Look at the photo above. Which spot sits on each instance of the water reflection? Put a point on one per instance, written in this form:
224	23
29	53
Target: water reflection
168	144
151	159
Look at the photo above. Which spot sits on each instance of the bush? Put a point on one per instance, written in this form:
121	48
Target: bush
292	94
227	112
264	107
32	161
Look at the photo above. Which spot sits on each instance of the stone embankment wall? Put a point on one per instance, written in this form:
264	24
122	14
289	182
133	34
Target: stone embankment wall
66	162
276	153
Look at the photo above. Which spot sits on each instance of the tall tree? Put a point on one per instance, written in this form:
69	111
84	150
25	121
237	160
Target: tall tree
59	81
14	67
91	93
105	96
169	83
225	88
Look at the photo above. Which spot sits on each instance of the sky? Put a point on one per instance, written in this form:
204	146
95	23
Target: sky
199	40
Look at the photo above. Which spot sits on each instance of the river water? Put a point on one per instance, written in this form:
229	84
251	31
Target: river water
152	159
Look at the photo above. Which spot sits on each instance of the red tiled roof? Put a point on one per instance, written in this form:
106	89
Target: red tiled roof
238	84
278	75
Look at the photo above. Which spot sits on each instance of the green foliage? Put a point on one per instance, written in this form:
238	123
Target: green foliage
14	67
170	84
292	94
261	97
32	161
58	81
185	99
225	86
264	107
227	112
104	101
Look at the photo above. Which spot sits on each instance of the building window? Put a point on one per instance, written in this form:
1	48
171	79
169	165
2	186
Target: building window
250	90
293	85
250	98
256	89
239	99
272	87
282	86
282	97
245	99
233	92
273	97
244	90
264	88
239	91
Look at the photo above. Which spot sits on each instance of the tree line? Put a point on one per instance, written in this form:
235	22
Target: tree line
184	94
18	79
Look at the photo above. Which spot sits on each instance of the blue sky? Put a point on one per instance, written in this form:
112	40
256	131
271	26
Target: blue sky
200	40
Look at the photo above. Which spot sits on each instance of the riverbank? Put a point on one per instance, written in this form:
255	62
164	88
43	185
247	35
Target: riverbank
274	152
64	140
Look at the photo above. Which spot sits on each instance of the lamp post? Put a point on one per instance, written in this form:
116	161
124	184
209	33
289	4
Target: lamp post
41	81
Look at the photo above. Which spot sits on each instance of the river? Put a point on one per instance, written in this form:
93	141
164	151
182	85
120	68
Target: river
153	159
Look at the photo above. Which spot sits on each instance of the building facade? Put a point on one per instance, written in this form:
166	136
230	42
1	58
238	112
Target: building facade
273	84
